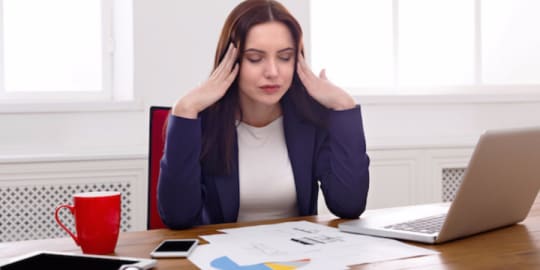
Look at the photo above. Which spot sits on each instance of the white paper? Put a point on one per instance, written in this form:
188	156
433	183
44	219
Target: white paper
290	242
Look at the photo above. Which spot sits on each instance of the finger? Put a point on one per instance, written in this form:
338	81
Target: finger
301	73
227	59
306	69
230	57
301	66
224	68
301	61
230	78
322	75
304	78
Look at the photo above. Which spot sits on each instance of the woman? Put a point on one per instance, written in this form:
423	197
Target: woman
256	139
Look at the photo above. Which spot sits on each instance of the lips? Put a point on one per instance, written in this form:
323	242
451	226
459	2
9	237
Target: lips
270	89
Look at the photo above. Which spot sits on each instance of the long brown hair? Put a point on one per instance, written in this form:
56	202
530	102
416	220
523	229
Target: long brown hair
219	119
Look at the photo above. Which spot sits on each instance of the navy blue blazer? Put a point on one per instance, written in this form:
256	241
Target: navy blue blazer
334	156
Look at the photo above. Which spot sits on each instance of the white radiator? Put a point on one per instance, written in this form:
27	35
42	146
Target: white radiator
451	180
31	190
27	212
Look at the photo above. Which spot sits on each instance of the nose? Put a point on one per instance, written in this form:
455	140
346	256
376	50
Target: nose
271	69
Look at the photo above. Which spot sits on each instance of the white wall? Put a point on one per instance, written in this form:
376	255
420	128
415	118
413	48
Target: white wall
174	43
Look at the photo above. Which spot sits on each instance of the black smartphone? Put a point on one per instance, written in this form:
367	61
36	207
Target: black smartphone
174	248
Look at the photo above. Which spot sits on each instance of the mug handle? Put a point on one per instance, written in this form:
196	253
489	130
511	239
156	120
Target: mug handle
71	209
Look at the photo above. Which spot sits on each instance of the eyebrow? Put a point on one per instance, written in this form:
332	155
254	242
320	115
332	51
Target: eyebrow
263	52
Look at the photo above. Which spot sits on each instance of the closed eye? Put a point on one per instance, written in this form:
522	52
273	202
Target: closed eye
286	55
254	59
285	58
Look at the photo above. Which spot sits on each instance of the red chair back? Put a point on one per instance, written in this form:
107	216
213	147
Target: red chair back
158	117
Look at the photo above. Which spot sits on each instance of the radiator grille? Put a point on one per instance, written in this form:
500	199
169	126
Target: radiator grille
451	180
27	212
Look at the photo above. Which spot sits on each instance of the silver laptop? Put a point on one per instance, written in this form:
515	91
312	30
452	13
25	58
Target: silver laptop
498	189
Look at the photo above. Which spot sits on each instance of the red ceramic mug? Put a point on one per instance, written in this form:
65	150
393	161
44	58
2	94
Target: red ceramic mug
97	221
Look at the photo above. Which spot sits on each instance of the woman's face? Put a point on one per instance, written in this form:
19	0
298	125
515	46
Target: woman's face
267	64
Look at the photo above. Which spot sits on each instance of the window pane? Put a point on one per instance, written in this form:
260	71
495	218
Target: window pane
353	41
436	42
53	45
511	42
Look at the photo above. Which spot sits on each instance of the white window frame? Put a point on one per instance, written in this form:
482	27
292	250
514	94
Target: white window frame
117	78
474	93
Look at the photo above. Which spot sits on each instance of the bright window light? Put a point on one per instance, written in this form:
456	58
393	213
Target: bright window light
428	46
353	41
435	47
53	45
511	42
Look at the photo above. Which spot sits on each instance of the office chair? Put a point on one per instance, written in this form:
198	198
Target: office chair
158	117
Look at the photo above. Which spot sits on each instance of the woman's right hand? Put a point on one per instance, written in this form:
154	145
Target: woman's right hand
206	94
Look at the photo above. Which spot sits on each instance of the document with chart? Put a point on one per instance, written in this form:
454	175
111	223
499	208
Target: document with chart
297	245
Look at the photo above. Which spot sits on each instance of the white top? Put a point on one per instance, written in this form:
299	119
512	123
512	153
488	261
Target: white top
267	188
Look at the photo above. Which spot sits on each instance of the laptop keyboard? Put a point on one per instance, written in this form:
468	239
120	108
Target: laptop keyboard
431	224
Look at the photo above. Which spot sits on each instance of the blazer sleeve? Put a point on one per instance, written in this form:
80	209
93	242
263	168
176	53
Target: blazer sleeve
342	164
180	188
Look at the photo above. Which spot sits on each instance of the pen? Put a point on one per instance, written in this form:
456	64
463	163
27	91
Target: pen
300	241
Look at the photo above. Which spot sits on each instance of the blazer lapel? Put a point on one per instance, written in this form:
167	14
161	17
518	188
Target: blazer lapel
300	139
228	189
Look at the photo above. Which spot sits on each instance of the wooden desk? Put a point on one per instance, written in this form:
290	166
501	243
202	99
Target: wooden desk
514	247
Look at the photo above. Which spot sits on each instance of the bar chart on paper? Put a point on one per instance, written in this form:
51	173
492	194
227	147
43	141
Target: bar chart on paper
225	263
294	245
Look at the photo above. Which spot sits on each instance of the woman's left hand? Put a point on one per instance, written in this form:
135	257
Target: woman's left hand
321	89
